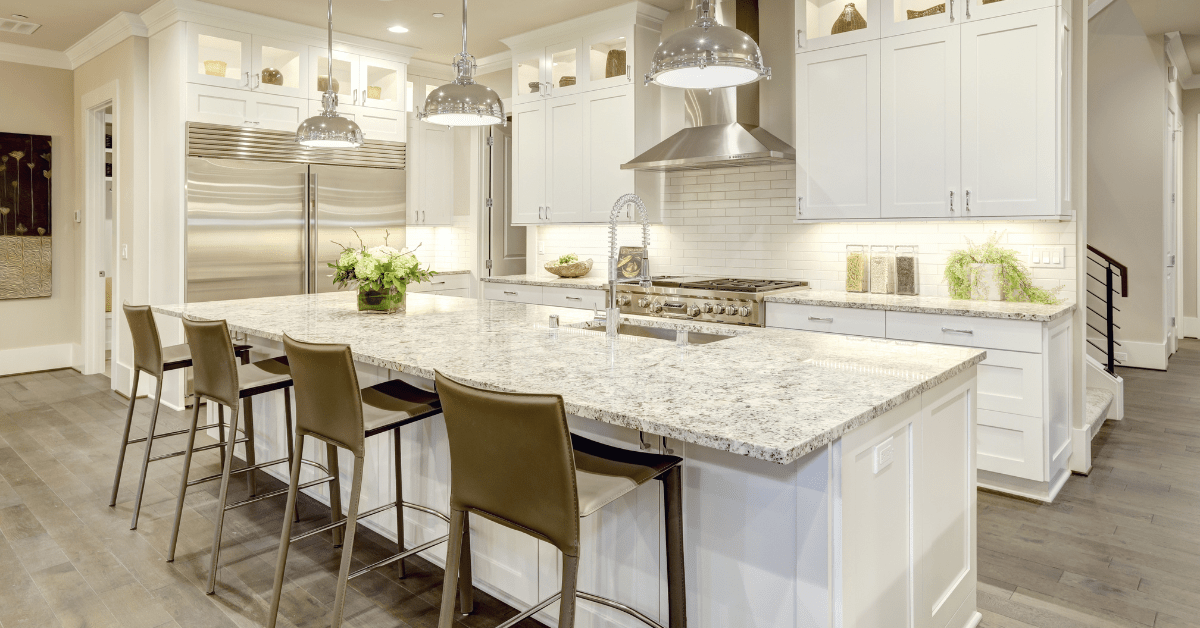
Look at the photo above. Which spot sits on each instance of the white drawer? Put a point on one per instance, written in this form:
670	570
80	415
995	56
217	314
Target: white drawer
512	292
966	331
1011	444
574	297
1011	382
837	320
458	292
442	283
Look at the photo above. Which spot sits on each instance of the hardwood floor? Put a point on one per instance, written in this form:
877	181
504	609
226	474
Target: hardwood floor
1119	548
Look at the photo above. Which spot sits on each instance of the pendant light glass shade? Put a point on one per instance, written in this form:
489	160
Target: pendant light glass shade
327	129
707	55
463	102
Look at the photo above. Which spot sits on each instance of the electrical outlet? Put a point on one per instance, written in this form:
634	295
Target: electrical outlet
1048	257
541	248
124	251
1121	356
884	454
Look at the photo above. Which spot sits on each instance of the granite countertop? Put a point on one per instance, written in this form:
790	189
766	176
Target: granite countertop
591	282
453	272
777	395
927	305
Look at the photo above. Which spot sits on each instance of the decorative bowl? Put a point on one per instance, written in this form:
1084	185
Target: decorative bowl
215	68
574	269
271	76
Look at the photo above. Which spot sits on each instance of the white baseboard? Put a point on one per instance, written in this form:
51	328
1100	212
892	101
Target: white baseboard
1144	355
43	358
1191	327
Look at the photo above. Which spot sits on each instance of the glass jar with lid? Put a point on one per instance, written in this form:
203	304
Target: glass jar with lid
857	277
882	270
908	276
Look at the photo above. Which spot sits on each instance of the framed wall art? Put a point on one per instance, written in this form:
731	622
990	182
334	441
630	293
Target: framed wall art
25	232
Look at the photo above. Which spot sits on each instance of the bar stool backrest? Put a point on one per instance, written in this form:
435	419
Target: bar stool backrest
147	348
328	400
511	461
214	367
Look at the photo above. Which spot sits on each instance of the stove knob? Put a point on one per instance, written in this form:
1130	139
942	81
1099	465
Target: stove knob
656	307
743	311
693	310
623	299
708	308
718	309
644	302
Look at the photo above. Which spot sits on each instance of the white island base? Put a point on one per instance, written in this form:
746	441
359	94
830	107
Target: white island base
875	530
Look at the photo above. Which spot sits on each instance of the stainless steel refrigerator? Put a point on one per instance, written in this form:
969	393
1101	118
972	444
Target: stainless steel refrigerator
265	228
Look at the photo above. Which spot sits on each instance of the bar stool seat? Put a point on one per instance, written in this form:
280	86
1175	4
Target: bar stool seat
603	473
263	376
396	403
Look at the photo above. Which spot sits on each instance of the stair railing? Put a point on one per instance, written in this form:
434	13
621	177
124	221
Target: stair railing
1104	301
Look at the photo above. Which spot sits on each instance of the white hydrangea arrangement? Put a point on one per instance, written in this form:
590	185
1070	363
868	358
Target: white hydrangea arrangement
378	268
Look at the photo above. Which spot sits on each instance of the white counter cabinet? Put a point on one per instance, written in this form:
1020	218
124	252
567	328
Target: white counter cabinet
1024	384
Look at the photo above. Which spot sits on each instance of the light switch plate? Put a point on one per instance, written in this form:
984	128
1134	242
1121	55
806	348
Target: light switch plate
1048	257
124	251
885	452
541	248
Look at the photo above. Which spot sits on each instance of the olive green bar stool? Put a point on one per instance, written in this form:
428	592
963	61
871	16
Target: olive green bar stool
514	461
150	357
219	379
332	408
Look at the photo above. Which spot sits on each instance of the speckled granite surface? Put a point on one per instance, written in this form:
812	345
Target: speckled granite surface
593	281
769	394
453	272
927	305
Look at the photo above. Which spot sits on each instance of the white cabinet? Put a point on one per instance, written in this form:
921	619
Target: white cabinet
835	320
360	80
458	285
578	298
816	19
564	159
234	60
516	293
920	125
430	158
529	163
1009	115
610	142
837	133
376	124
239	107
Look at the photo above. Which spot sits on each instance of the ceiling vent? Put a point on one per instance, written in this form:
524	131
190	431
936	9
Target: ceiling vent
17	26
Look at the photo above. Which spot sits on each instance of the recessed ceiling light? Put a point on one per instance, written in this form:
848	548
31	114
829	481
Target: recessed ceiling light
398	29
439	15
18	16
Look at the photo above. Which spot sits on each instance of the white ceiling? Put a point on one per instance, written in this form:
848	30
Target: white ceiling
1158	17
65	22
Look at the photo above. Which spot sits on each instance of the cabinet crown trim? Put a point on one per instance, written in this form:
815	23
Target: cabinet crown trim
624	15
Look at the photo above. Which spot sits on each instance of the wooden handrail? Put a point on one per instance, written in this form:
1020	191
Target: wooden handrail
1121	267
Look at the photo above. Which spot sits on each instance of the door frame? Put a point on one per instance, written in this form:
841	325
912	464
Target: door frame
92	113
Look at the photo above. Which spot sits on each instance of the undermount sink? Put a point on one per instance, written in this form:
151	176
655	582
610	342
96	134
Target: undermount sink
661	333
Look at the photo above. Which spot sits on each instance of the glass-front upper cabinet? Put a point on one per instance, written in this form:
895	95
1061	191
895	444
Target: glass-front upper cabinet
528	83
217	56
983	9
562	72
825	23
345	74
908	16
382	84
609	58
280	67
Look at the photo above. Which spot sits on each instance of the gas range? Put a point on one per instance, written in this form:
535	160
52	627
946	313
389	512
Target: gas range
705	299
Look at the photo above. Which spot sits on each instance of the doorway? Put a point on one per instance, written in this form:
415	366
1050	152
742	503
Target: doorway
505	254
108	265
1172	286
100	217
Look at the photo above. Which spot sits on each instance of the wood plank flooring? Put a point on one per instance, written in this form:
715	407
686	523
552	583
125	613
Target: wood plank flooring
1119	548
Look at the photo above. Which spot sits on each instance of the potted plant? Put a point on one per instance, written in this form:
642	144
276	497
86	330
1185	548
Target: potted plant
380	273
989	272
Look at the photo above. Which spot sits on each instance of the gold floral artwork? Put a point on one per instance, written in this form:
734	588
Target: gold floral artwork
26	240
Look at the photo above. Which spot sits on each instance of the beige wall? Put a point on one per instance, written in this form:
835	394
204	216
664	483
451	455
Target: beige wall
1191	109
1126	132
500	81
38	100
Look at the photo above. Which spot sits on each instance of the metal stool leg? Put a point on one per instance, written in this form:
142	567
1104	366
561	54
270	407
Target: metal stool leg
566	604
466	582
399	499
676	592
221	427
125	439
183	479
285	541
137	503
339	600
227	468
252	475
335	492
458	520
287	418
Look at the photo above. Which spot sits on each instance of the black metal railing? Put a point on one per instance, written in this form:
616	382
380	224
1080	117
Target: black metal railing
1100	305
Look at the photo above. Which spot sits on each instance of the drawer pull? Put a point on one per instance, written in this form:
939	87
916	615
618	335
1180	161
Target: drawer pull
820	320
512	293
574	298
958	331
436	283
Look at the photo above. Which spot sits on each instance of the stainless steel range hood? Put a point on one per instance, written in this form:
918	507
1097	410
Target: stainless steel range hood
723	124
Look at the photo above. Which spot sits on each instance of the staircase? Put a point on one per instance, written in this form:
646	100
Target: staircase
1099	402
1105	396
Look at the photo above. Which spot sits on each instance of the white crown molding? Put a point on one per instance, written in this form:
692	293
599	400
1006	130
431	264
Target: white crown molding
495	63
1179	58
1096	7
626	14
116	30
16	53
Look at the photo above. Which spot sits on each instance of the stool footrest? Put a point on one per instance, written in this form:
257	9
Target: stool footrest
210	478
339	523
176	454
398	557
199	428
536	607
591	597
282	491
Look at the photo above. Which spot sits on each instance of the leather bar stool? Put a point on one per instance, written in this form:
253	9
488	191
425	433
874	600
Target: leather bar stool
331	408
514	461
150	357
218	378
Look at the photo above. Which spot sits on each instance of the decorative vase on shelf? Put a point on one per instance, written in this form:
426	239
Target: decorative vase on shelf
985	285
271	76
214	67
374	92
387	301
849	20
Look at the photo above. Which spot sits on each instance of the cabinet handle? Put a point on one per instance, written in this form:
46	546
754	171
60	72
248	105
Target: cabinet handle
629	73
800	35
799	206
436	283
951	11
512	293
547	212
968	200
952	201
354	96
574	298
540	212
257	81
424	216
247	79
820	320
958	331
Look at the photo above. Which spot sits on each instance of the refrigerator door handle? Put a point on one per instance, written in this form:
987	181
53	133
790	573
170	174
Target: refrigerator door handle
307	232
310	262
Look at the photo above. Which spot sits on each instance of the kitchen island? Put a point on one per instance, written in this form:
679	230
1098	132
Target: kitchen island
829	480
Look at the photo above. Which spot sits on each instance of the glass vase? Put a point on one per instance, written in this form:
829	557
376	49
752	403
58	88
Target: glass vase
387	301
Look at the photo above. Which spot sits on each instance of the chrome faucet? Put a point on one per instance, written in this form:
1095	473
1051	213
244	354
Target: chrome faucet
613	311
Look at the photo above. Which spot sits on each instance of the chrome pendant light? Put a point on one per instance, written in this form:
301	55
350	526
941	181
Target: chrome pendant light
707	55
327	129
463	102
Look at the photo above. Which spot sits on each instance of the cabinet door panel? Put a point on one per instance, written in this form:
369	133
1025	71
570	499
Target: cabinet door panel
437	171
837	133
381	84
1008	112
278	113
288	59
345	72
894	15
609	144
220	105
529	161
564	151
920	125
218	57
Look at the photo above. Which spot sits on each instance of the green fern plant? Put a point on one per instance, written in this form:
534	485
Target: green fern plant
1015	283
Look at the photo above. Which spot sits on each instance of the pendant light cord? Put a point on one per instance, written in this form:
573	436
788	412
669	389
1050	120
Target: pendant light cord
464	27
329	76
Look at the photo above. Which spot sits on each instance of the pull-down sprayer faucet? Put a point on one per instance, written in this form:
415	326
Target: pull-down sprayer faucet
613	311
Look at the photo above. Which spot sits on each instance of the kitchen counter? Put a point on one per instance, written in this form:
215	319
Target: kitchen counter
590	282
776	396
926	305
